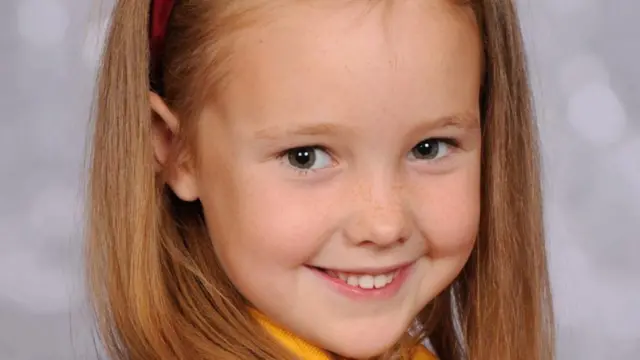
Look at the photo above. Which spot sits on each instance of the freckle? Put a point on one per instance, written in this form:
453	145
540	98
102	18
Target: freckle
359	190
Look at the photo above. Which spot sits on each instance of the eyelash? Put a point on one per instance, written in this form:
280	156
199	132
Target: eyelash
281	156
449	141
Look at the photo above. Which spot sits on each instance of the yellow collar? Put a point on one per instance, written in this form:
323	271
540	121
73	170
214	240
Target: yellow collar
306	351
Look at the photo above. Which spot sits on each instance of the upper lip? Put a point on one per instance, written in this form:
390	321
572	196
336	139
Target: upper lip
367	270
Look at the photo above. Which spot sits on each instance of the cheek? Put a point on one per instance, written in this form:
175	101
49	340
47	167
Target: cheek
263	222
450	215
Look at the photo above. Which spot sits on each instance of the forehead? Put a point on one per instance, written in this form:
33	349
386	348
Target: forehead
397	54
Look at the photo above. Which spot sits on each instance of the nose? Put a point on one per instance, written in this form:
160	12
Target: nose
380	215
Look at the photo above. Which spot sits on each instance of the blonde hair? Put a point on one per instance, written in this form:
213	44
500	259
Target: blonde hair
156	287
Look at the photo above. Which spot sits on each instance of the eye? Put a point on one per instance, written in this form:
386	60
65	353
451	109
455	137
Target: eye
431	149
308	158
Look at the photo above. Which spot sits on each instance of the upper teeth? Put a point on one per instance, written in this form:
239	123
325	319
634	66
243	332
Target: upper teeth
365	281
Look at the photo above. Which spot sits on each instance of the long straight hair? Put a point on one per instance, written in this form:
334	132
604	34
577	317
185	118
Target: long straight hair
156	287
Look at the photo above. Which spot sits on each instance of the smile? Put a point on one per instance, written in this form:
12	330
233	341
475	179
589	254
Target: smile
366	283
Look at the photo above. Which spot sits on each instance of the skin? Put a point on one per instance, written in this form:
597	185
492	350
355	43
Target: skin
367	83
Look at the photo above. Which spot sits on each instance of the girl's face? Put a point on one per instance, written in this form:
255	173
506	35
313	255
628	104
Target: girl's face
340	170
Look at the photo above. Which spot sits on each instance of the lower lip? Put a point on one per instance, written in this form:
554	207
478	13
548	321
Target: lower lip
358	293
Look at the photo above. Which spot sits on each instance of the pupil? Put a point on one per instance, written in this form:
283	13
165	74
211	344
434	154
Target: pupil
427	149
302	157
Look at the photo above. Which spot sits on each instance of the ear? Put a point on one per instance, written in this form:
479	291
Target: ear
179	173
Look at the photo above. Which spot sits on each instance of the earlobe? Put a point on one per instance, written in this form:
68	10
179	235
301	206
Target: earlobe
178	172
184	185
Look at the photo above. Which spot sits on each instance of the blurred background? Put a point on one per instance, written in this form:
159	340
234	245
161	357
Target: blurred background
585	66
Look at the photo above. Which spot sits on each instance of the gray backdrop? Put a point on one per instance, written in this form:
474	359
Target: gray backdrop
586	73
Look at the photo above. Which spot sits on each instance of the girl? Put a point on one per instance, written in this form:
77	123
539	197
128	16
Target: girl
280	179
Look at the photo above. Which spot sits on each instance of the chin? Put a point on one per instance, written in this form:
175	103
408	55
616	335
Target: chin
363	345
363	349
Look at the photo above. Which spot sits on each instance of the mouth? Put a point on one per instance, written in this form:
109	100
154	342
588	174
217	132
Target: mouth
366	283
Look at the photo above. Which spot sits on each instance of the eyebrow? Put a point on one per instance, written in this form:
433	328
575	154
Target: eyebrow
463	121
305	130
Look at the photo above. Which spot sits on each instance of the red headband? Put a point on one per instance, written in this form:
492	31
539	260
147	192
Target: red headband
159	13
